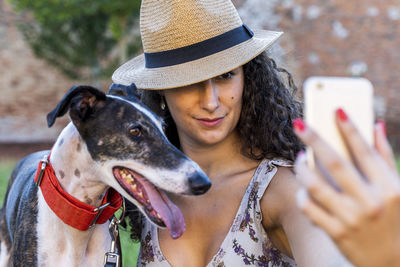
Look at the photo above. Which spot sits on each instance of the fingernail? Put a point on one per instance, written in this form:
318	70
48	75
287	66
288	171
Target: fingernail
300	154
341	114
299	125
301	197
382	124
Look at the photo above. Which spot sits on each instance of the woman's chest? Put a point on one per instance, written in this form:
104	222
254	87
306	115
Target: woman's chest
208	223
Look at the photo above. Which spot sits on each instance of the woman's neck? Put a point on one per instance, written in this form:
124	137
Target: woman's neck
219	159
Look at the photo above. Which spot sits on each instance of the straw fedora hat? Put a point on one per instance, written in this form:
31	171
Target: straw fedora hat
188	41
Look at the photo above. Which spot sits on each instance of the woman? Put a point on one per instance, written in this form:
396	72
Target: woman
226	108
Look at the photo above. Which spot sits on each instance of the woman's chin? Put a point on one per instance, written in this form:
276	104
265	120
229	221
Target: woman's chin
212	138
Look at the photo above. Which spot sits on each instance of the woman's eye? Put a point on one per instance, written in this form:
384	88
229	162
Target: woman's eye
135	131
226	76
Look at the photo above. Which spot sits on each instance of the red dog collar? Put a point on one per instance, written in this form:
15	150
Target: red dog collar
69	209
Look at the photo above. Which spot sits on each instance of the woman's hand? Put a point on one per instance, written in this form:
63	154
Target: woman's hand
363	217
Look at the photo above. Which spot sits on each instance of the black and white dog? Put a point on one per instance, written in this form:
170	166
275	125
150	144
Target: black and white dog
50	206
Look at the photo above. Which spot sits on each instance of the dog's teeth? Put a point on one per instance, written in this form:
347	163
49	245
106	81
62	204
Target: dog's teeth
129	180
140	194
158	215
134	187
148	201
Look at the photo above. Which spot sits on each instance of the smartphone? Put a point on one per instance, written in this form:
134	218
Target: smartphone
324	95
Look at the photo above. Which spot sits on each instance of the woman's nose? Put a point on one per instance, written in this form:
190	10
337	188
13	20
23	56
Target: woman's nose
210	96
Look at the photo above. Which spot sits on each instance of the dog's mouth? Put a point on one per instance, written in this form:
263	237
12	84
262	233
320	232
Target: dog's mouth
155	203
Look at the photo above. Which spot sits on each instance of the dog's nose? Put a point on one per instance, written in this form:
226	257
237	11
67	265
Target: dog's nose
199	184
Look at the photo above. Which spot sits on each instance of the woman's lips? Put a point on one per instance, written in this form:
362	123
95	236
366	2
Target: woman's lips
210	122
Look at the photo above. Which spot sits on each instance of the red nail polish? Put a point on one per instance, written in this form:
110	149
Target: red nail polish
299	125
383	126
341	114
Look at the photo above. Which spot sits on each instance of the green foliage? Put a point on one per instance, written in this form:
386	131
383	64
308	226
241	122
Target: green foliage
85	39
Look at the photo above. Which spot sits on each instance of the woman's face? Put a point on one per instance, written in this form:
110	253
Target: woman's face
206	113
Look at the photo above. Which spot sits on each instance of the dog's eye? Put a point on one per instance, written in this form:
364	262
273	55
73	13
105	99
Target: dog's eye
135	131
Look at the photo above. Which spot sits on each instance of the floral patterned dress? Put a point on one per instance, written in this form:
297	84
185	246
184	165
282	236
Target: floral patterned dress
246	243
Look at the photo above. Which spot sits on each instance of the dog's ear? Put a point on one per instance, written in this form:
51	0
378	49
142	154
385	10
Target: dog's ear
82	99
130	92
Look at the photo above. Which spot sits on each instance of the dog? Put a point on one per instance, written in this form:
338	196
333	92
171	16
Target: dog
113	146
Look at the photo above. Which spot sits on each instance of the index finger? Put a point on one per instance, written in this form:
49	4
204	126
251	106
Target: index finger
344	173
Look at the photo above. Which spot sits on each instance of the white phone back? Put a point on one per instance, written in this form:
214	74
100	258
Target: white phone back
324	95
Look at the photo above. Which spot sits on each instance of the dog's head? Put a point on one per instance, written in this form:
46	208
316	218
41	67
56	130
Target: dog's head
127	142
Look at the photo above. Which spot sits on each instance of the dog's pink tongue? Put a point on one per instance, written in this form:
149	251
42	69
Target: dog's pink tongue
170	213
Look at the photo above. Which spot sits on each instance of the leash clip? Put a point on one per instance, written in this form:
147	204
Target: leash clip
112	257
44	162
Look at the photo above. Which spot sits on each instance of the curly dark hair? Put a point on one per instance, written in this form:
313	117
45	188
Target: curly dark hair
269	107
265	124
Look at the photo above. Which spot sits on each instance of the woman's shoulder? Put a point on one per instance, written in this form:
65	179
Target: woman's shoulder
280	197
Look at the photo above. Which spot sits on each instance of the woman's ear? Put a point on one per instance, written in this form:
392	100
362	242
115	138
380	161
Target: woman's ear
162	101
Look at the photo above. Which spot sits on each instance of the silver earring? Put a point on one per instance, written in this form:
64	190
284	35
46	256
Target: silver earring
162	104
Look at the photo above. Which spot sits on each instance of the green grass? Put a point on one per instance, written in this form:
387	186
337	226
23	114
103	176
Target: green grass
398	163
6	168
130	249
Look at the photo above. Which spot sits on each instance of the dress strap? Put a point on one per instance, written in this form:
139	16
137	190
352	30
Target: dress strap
281	162
267	171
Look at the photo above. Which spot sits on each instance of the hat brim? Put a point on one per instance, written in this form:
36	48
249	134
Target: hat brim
134	71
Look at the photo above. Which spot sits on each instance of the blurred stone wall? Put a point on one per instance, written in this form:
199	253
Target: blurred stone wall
29	87
338	38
